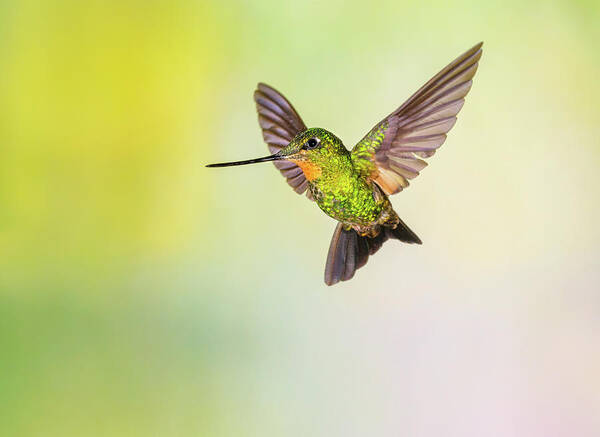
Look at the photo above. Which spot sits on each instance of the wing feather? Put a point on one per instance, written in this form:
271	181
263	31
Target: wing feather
389	154
280	123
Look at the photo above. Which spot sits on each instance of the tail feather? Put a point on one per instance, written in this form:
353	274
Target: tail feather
349	251
404	234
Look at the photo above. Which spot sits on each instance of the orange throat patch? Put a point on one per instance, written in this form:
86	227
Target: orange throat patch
311	170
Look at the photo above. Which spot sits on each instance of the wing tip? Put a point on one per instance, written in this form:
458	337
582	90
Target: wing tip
477	47
475	51
262	86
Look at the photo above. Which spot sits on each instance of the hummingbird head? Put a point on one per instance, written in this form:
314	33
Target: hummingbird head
311	150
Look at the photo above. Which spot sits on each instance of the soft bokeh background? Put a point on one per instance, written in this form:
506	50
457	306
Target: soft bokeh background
143	294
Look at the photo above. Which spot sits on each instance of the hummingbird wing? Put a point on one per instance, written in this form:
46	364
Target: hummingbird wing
389	154
280	123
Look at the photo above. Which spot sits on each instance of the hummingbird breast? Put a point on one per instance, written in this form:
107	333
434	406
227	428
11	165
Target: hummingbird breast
349	199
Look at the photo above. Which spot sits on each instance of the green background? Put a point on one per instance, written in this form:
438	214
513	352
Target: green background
142	294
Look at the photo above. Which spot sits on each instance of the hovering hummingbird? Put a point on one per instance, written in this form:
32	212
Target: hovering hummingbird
353	186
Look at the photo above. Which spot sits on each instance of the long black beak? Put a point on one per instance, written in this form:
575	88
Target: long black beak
274	157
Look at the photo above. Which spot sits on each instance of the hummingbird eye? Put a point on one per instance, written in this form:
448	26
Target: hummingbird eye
312	143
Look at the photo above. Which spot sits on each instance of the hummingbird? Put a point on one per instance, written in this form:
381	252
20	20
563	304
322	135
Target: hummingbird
352	186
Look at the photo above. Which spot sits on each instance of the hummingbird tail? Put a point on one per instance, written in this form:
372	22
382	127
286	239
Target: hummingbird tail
349	251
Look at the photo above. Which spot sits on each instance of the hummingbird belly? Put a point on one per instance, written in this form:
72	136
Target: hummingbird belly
353	203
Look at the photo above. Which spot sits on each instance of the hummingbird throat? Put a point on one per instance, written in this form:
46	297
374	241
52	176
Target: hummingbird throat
310	169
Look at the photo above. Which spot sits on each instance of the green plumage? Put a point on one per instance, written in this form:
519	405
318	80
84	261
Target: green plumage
365	148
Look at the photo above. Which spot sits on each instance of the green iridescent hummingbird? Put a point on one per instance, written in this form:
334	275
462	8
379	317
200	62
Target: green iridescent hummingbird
353	186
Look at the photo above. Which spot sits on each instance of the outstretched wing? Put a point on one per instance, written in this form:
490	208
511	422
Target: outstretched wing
389	154
280	123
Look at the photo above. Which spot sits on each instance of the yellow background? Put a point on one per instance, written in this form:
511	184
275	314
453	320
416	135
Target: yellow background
142	294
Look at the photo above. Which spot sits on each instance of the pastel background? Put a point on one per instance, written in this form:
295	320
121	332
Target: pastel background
142	294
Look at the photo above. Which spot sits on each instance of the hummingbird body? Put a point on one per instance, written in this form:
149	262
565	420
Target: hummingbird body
337	187
353	186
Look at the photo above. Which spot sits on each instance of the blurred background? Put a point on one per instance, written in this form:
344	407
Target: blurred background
143	294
